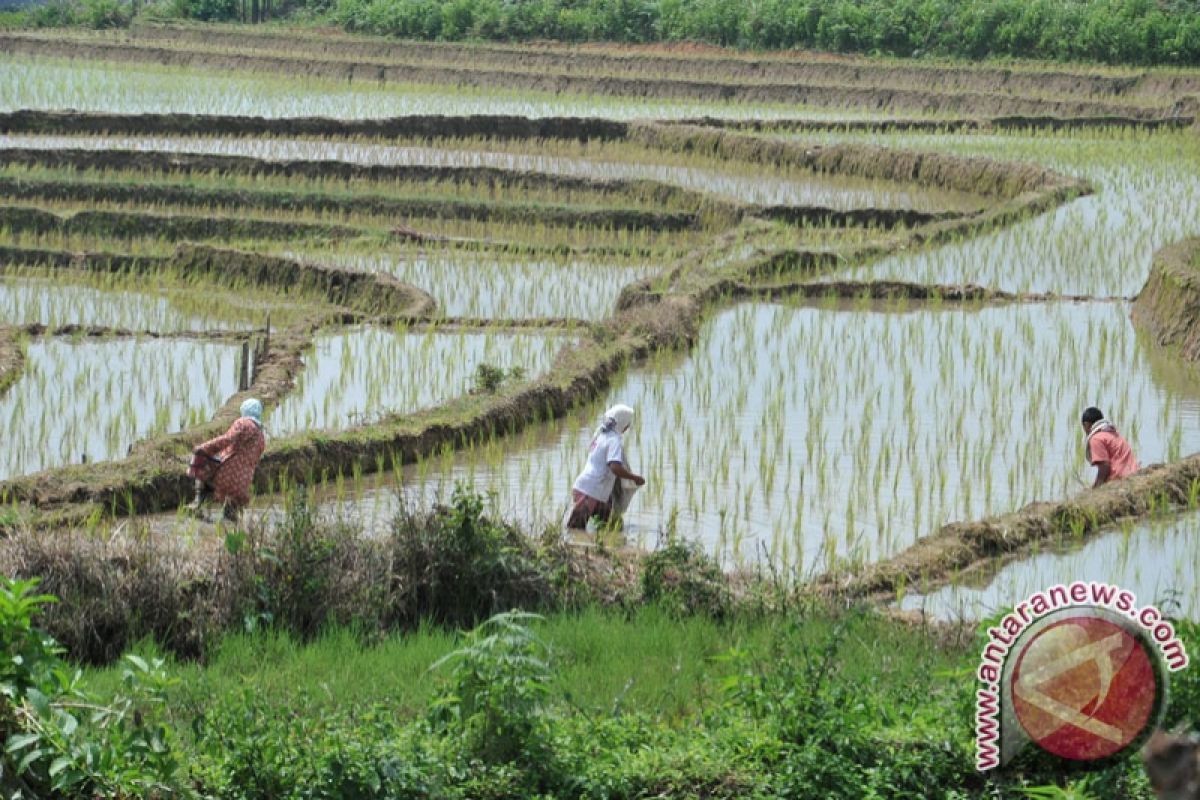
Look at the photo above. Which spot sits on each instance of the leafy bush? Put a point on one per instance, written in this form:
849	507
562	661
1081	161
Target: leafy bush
206	10
500	680
106	14
54	14
685	580
1185	684
456	566
58	740
488	378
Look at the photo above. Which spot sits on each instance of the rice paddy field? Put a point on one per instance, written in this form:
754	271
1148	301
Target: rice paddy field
850	306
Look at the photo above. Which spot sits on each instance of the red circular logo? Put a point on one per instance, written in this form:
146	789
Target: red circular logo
1084	687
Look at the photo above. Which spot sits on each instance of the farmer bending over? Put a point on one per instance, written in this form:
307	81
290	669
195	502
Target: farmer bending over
1106	450
592	494
225	465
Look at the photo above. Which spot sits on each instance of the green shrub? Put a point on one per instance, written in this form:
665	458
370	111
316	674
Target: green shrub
499	683
54	14
685	580
488	378
106	14
59	741
206	10
457	566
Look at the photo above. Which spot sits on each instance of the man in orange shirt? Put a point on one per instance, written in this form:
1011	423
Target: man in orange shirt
1106	450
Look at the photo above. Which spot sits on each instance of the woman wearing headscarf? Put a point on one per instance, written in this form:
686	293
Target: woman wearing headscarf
592	494
225	465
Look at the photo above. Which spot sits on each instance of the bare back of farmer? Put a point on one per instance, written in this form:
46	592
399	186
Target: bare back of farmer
592	494
225	466
1106	450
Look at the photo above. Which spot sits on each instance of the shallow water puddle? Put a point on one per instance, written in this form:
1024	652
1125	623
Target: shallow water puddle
91	400
1157	560
760	187
359	376
812	433
471	286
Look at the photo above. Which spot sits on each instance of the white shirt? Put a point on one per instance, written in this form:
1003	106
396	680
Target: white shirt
597	479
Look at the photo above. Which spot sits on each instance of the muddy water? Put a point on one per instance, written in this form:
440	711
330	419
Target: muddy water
465	285
749	187
1148	196
27	301
1157	560
93	399
137	89
809	433
357	376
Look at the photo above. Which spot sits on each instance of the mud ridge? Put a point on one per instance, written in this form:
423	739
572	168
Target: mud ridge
428	126
1175	118
819	216
281	201
901	290
1169	304
653	193
12	358
103	332
981	176
367	292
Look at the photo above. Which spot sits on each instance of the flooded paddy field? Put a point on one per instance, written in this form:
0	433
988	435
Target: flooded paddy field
54	83
358	376
53	302
89	400
497	286
1147	196
1158	560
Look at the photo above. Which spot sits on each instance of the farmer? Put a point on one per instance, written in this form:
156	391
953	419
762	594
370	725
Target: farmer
1106	450
225	465
592	494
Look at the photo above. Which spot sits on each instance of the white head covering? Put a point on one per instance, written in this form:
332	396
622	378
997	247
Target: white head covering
253	409
618	418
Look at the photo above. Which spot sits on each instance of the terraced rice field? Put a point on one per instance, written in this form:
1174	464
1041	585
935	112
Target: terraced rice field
852	302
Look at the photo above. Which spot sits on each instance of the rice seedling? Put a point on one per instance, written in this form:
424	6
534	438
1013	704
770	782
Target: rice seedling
54	303
1148	196
130	88
497	286
90	400
361	375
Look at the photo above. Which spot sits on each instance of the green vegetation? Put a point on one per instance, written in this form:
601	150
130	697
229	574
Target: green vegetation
802	702
1105	31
